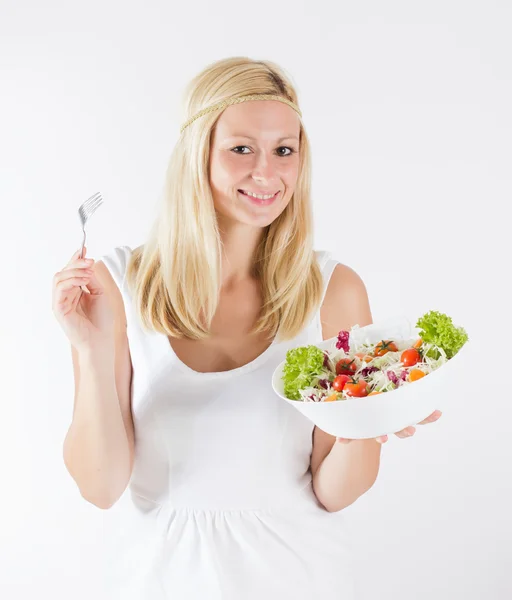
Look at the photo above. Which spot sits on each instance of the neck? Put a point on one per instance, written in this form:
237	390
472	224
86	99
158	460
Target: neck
239	243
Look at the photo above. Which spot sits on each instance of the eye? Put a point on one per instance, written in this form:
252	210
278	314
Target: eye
291	150
236	148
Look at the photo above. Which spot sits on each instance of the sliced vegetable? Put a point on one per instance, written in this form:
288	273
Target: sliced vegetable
416	374
342	342
357	367
364	357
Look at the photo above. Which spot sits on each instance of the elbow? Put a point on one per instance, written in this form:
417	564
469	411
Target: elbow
337	506
103	502
101	491
342	501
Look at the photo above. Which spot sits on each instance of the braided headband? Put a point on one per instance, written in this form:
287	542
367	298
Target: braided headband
237	100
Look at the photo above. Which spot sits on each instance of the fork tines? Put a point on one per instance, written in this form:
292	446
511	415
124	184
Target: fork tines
90	205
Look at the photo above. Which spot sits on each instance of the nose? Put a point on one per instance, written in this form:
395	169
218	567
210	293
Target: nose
264	169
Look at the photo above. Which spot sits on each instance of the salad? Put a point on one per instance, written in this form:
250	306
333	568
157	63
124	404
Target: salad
362	369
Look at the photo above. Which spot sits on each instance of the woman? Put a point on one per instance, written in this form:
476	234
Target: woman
239	495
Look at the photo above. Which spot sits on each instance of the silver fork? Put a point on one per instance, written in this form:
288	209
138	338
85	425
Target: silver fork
85	212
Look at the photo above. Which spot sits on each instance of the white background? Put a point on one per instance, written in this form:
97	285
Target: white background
408	107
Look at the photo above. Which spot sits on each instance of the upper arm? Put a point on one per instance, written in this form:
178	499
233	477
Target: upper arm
345	304
123	364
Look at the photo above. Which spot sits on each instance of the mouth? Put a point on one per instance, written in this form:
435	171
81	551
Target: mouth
260	201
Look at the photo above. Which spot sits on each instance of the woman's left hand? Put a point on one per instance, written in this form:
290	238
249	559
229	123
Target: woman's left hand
403	433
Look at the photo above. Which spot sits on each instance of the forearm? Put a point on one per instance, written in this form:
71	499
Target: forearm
96	450
346	473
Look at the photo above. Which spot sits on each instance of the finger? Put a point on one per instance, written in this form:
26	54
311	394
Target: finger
407	432
76	264
431	418
343	440
75	256
80	263
66	287
64	301
381	439
75	303
70	306
93	285
68	284
81	271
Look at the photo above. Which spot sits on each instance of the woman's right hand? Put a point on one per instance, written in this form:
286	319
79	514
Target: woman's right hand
86	317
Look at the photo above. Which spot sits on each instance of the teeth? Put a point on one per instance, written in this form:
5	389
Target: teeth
259	196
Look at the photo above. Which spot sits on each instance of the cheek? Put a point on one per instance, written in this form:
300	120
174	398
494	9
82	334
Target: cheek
228	166
290	173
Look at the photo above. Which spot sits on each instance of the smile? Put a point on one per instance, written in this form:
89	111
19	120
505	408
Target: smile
259	199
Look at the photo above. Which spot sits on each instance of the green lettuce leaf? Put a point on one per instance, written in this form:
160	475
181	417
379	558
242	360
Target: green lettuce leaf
438	329
302	365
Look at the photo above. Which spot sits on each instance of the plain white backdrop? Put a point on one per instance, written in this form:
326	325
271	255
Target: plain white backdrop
408	109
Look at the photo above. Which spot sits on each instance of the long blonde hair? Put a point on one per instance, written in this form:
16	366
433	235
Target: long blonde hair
175	276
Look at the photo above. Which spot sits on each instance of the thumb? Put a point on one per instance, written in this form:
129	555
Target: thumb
343	440
93	285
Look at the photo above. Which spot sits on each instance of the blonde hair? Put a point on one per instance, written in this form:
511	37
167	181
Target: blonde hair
175	276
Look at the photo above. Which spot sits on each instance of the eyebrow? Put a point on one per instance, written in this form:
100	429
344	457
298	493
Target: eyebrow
246	137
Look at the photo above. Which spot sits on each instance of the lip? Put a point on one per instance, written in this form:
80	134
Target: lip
259	202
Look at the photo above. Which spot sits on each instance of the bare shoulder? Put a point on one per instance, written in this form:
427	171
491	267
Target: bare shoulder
346	303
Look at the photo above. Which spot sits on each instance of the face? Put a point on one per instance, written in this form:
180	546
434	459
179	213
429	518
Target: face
254	148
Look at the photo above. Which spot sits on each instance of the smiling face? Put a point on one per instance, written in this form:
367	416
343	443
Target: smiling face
254	148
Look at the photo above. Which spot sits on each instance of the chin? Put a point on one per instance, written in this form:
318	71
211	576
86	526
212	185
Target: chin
262	219
256	216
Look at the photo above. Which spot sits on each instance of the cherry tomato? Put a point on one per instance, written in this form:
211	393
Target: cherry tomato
416	374
356	388
384	347
410	357
346	366
339	382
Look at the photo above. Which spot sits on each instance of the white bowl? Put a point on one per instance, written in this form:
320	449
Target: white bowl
386	413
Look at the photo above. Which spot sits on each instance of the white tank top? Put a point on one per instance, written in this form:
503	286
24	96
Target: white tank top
221	487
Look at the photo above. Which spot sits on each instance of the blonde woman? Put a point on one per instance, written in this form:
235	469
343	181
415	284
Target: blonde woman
239	496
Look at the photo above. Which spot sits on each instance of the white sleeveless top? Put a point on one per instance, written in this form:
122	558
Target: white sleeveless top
222	502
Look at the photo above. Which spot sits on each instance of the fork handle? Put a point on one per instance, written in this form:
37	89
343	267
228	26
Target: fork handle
82	247
83	287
